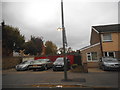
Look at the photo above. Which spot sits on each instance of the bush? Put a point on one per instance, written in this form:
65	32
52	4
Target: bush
74	66
77	68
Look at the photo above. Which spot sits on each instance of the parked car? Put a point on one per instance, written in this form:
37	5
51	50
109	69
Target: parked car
43	64
59	64
109	63
23	66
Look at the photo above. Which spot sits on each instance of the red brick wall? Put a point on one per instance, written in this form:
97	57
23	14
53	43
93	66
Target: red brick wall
92	49
94	37
113	45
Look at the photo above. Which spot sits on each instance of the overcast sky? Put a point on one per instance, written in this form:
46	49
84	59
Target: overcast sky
44	17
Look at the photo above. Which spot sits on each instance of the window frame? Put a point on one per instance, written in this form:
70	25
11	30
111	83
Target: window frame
108	54
90	57
103	39
90	53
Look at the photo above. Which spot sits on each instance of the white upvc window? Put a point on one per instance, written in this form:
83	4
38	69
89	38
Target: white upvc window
89	57
109	54
106	37
92	56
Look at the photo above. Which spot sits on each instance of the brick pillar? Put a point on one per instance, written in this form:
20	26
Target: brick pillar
85	67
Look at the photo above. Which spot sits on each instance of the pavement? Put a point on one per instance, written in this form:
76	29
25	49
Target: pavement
95	78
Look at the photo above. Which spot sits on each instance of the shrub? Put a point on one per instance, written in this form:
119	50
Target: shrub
77	68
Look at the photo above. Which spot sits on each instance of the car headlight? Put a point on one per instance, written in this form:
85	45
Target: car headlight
16	66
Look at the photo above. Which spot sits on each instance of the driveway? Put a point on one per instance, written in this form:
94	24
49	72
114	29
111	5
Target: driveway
95	70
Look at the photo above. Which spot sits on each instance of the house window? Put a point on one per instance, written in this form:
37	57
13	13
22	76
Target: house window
89	56
105	54
106	37
109	54
92	56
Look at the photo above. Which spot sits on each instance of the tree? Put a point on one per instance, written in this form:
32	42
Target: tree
51	48
34	46
11	40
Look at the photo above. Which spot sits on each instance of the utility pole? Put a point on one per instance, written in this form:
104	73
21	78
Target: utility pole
64	42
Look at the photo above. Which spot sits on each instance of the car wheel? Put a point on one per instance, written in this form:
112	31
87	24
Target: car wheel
103	68
34	69
54	70
27	68
100	67
17	70
45	67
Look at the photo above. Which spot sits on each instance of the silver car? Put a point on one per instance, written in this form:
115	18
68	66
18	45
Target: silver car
23	66
59	64
109	63
41	64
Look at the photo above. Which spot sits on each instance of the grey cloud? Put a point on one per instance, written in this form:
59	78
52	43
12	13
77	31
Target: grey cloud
79	17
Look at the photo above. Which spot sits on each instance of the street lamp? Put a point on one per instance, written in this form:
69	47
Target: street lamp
64	42
59	29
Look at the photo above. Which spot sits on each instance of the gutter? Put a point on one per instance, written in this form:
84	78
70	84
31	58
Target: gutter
101	44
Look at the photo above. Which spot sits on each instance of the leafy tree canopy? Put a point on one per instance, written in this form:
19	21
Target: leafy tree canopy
34	46
51	48
11	39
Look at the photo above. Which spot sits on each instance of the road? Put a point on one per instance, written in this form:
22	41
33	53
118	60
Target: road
28	79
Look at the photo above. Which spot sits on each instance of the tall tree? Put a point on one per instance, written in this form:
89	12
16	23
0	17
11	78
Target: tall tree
34	46
11	40
51	48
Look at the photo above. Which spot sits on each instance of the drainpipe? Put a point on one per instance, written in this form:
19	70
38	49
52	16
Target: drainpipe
101	44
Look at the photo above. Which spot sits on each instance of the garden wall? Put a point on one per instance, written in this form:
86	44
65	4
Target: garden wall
10	62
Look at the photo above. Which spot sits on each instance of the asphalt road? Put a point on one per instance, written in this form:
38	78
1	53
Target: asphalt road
35	79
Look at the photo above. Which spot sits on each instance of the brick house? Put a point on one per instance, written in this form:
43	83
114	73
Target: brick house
104	42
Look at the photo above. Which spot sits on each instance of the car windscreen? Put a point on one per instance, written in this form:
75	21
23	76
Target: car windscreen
43	60
25	62
35	62
59	60
109	59
40	61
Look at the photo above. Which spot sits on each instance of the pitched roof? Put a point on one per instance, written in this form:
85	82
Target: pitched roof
108	28
90	46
